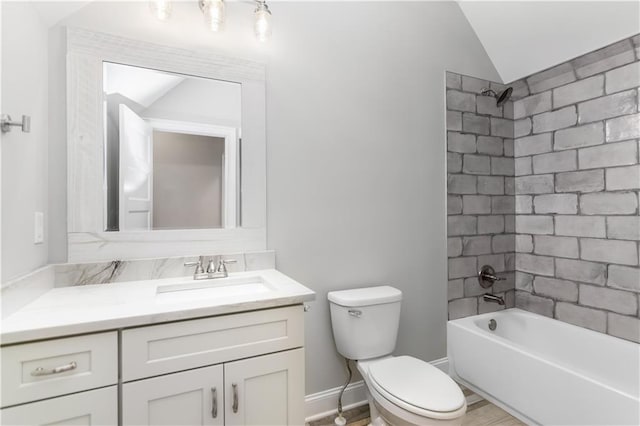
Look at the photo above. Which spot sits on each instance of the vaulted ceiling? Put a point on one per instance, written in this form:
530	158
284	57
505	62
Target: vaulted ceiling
524	37
520	37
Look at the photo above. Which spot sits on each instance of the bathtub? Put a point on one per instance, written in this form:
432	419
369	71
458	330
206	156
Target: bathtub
544	371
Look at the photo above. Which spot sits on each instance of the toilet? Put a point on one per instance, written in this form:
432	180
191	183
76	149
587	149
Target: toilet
401	390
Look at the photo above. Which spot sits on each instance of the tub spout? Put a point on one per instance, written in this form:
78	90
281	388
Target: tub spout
493	298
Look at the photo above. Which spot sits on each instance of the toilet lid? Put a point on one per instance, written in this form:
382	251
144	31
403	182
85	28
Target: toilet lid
417	383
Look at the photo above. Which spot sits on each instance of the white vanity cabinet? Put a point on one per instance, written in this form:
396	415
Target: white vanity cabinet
257	376
237	369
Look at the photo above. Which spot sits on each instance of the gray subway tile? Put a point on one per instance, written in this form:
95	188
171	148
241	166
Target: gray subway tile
623	78
461	101
607	298
532	105
610	251
524	204
461	267
533	264
624	227
503	205
622	128
625	327
454	162
454	204
607	107
475	124
491	185
529	145
556	246
454	247
579	91
455	289
620	178
461	142
493	224
584	181
524	243
454	120
624	277
476	204
504	166
553	77
608	203
501	127
556	289
554	120
461	308
604	59
580	136
476	245
454	81
523	166
536	304
462	184
461	225
583	317
555	162
490	145
474	85
556	203
487	105
505	243
609	155
534	224
535	184
521	127
580	226
579	270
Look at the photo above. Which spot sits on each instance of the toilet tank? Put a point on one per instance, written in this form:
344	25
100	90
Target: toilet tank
365	321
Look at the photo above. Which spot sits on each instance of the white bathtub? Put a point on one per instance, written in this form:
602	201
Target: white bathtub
545	371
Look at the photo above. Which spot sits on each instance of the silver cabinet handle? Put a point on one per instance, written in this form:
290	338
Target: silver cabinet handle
214	403
235	397
43	372
355	313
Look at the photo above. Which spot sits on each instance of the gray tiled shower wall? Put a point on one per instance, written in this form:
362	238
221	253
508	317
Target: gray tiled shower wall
481	194
576	193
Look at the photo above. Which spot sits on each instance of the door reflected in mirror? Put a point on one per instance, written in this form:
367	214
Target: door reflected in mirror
172	150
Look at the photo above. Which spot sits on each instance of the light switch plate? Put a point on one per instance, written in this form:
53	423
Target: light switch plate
38	228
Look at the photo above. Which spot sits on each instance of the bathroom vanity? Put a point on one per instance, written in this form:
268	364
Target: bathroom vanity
172	351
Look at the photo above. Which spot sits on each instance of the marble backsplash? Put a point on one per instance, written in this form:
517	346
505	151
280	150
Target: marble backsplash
22	290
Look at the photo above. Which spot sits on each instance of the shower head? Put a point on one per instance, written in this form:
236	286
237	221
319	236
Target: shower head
500	98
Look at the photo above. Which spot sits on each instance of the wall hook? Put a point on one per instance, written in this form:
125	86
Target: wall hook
6	123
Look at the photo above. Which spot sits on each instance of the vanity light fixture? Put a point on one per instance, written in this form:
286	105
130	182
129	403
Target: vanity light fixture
161	9
213	11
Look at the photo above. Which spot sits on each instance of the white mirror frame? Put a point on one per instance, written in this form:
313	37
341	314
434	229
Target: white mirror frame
86	236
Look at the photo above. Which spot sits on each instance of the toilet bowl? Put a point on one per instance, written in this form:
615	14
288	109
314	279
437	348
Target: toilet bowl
401	390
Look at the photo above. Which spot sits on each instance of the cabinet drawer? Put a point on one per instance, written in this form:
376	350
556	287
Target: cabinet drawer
96	407
41	370
165	348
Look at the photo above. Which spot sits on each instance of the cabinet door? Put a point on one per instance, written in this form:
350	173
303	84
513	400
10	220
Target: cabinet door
193	397
96	407
265	390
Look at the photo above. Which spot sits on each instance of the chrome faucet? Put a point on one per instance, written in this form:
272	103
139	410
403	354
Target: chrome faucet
212	271
493	299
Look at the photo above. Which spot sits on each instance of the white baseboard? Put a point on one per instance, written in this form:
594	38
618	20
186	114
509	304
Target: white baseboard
325	403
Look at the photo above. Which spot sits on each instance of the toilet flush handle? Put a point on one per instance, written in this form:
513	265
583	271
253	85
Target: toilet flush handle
355	313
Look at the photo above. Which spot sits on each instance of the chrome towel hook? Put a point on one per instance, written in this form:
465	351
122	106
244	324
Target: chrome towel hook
6	123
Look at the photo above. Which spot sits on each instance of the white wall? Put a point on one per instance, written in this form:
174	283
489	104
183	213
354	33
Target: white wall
355	142
24	155
356	159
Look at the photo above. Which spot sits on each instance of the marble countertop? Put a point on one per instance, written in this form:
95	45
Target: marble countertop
92	308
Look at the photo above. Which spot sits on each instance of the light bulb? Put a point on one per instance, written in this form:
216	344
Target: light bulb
161	9
262	26
213	13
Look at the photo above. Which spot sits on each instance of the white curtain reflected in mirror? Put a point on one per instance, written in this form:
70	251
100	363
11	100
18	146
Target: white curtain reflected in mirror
171	150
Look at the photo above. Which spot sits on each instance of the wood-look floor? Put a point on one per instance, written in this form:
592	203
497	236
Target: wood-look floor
482	413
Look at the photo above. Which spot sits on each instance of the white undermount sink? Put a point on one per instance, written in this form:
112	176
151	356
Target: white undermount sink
210	288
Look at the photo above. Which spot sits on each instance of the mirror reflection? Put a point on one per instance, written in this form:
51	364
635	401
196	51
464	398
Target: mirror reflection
171	149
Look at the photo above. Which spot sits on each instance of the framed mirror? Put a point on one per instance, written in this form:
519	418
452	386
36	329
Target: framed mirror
166	150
